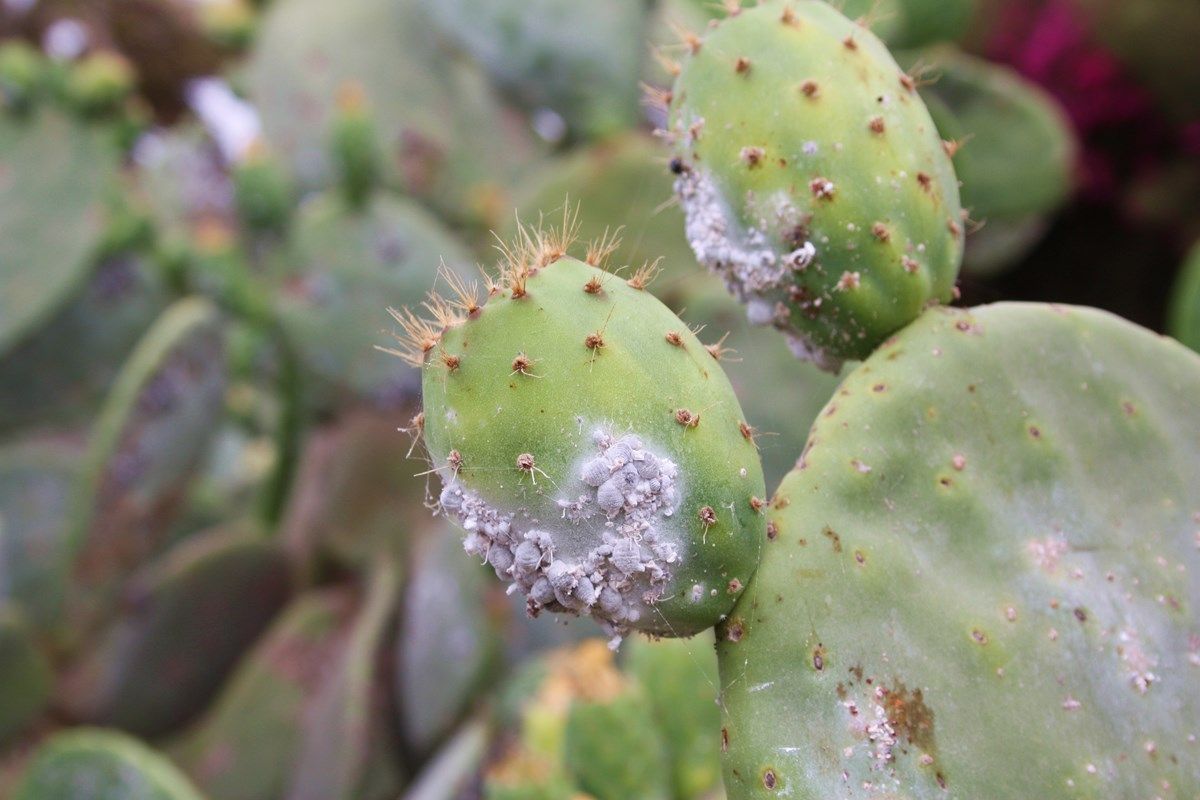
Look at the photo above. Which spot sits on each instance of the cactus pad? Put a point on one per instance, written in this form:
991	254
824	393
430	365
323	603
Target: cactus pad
149	439
813	179
980	579
1184	321
348	264
589	444
188	617
95	764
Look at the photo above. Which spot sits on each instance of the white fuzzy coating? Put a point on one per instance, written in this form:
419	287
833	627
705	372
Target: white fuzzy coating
625	492
746	260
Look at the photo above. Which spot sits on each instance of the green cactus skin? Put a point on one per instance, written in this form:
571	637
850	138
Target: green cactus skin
60	373
596	465
263	192
148	441
575	724
98	83
22	71
97	764
246	744
58	166
813	179
581	60
447	140
1014	150
347	262
339	750
188	617
1184	314
623	184
680	679
447	645
37	477
979	581
25	674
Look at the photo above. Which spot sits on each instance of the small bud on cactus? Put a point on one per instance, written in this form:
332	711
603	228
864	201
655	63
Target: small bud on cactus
789	170
552	416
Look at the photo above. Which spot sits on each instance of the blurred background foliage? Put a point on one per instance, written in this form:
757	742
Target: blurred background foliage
218	574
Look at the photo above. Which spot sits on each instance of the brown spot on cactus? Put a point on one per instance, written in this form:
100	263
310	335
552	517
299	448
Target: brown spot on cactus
674	339
451	361
593	285
525	462
860	557
724	740
788	17
835	540
849	43
772	530
881	232
742	65
1080	614
810	89
925	181
951	147
708	517
911	265
522	364
768	779
757	504
908	82
718	350
594	341
734	586
818	658
954	228
822	188
751	156
848	281
686	418
876	125
978	636
734	630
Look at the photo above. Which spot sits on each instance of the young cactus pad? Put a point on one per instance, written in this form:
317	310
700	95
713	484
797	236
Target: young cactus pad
981	579
813	179
589	444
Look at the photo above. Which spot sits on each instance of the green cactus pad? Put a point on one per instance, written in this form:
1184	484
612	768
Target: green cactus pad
444	135
37	477
813	179
590	445
25	674
621	183
348	265
448	644
581	60
247	743
150	437
61	372
95	764
188	617
339	749
680	679
1015	150
1184	315
52	214
980	580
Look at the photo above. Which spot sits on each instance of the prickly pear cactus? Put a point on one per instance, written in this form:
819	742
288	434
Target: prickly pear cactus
246	745
96	764
580	60
681	683
979	580
445	138
347	262
813	179
620	182
37	477
1014	150
25	674
588	443
575	724
148	441
1184	316
447	643
188	615
55	168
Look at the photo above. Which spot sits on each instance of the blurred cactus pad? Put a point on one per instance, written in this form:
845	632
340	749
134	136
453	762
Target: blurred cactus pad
610	400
